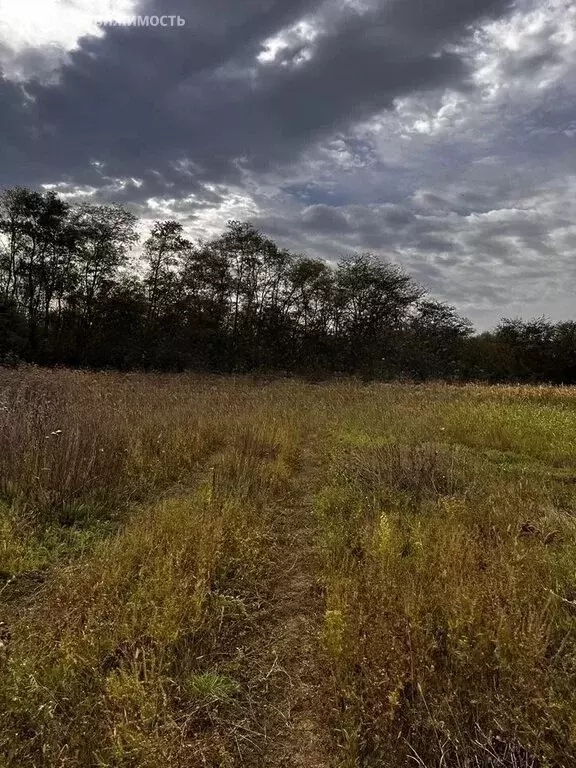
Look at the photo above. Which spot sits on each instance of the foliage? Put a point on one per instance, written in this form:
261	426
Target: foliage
70	293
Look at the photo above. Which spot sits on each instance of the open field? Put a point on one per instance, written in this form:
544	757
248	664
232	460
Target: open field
203	571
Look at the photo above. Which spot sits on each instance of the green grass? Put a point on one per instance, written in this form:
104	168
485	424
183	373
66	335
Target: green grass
142	517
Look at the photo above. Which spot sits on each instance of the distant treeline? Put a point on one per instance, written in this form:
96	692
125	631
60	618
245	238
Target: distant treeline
72	292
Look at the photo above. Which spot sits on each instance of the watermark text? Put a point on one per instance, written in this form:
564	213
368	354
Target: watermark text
167	20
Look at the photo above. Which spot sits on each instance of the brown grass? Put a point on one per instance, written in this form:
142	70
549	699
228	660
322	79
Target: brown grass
204	571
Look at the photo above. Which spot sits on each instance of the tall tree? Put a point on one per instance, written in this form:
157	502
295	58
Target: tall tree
164	251
372	298
105	235
433	345
37	253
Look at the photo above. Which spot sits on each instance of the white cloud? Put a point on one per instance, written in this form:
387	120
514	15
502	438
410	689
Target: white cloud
292	46
50	28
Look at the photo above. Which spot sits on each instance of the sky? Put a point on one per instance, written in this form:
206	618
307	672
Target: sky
437	134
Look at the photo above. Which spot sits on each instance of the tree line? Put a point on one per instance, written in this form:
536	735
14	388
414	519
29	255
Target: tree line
73	292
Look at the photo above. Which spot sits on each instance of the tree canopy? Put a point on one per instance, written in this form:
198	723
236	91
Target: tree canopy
75	291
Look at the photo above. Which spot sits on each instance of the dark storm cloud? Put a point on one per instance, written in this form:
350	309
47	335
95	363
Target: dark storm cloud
401	128
180	107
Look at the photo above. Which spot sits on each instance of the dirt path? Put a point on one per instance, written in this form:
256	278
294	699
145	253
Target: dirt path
284	661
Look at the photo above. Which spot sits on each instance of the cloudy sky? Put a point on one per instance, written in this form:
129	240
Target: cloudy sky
440	134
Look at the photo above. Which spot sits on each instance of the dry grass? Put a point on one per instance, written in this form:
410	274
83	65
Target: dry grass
450	580
124	615
144	524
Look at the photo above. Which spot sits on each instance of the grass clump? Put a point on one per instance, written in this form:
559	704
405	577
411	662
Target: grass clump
211	687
